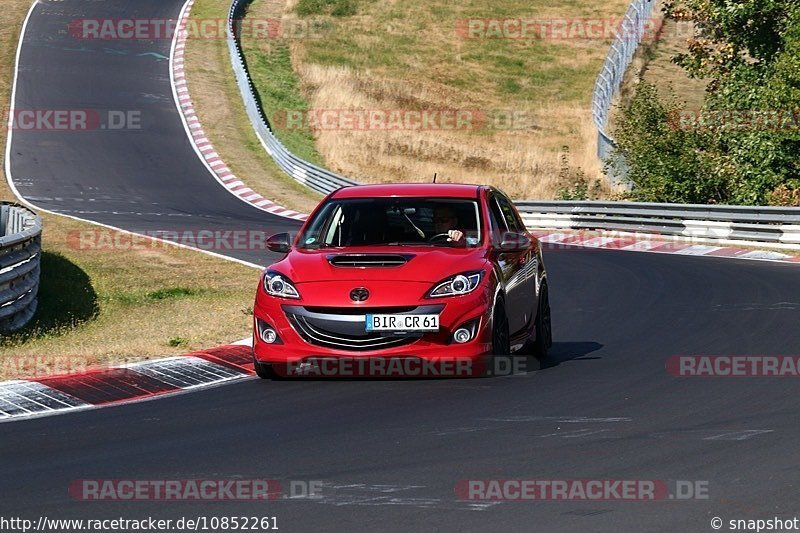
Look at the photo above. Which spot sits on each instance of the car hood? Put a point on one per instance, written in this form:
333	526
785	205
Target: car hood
416	264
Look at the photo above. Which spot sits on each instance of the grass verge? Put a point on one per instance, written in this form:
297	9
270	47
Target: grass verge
102	306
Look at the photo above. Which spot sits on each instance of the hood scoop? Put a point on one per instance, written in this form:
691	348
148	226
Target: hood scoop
369	260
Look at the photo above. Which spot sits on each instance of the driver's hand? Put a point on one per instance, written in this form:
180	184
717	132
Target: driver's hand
455	235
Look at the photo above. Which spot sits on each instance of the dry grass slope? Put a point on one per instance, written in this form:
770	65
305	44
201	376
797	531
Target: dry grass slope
408	56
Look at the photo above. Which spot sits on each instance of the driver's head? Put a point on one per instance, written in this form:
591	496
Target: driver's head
444	219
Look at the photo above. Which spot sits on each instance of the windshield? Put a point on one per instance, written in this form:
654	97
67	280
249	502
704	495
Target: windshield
394	221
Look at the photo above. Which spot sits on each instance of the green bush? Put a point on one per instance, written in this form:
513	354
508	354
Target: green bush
745	142
573	185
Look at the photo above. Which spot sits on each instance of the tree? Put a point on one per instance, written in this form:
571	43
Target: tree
744	145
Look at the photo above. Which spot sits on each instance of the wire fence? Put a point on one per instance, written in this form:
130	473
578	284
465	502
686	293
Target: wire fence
635	26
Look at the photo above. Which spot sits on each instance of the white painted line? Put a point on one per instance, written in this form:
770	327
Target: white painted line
742	434
247	341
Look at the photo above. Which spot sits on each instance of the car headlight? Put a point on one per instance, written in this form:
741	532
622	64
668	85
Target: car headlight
276	284
456	285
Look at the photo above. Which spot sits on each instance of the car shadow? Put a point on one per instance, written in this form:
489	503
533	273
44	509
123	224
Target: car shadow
562	352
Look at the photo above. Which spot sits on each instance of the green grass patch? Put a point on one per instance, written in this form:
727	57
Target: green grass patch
336	8
175	342
172	292
278	91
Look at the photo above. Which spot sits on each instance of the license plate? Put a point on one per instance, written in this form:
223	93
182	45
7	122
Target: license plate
402	322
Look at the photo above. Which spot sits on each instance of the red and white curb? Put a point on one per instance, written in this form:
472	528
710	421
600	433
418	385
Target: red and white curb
654	244
197	136
49	395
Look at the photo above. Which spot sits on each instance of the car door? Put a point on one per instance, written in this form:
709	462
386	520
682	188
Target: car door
521	285
508	262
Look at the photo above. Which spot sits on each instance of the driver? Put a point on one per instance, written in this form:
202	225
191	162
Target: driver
445	220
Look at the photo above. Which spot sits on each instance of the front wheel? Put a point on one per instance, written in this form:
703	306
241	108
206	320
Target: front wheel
501	341
544	328
263	370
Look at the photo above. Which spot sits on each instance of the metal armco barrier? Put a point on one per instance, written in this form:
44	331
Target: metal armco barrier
763	224
636	24
20	253
317	178
779	225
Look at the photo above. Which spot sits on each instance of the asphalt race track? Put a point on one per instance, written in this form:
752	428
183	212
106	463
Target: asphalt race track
389	454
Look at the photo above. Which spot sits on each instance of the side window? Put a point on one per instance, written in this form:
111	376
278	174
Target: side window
497	219
509	214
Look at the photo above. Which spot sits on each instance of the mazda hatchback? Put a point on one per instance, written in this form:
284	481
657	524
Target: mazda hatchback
402	279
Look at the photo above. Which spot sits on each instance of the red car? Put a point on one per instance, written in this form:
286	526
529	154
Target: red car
434	274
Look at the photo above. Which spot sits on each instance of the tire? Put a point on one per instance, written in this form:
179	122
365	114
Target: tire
544	327
264	371
501	341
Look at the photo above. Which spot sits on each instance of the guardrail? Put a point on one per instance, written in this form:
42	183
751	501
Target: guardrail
308	174
20	252
778	225
619	57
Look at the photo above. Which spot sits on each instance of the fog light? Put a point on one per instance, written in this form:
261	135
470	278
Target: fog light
466	331
268	335
462	335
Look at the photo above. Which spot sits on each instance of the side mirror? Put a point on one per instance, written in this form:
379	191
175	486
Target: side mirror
514	242
279	242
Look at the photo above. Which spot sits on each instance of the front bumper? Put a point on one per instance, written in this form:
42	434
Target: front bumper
336	336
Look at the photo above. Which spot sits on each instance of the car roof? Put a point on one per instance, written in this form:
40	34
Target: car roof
388	190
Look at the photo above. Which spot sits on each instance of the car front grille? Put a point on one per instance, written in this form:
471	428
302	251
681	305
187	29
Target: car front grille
341	329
